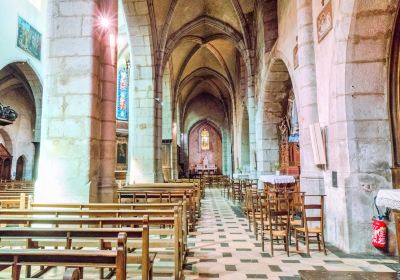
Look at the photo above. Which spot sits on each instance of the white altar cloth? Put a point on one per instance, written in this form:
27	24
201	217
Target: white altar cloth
277	179
389	198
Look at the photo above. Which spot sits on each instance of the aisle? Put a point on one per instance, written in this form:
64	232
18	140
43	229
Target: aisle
222	247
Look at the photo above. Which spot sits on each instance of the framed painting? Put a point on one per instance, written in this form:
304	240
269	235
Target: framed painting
29	39
324	21
122	153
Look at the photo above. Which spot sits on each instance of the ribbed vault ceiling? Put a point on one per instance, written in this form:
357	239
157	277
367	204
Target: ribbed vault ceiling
202	41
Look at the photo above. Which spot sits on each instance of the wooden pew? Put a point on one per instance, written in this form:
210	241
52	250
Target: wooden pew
163	196
79	213
181	208
115	259
195	187
12	200
174	222
88	237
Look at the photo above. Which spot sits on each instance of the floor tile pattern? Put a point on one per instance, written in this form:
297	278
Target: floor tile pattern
225	249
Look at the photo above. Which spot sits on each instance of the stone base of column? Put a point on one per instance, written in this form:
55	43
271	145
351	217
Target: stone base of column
108	194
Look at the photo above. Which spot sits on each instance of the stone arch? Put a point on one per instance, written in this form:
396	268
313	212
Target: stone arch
394	95
25	72
7	140
365	82
272	107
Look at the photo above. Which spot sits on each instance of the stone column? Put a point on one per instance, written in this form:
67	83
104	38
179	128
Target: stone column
144	158
311	176
108	79
252	126
71	127
35	160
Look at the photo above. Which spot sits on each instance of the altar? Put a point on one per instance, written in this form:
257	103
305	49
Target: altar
205	167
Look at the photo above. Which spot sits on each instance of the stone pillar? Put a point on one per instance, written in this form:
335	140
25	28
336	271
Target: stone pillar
252	126
35	160
70	135
144	153
108	79
311	176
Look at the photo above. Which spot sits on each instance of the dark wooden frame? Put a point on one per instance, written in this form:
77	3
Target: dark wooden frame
394	98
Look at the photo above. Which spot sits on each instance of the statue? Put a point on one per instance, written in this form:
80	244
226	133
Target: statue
7	113
284	127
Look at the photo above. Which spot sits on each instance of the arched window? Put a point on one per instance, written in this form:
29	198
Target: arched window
205	140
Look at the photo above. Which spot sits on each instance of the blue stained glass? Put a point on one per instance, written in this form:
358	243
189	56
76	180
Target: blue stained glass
122	94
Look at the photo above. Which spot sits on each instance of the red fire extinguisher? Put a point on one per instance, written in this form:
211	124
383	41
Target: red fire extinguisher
379	233
379	230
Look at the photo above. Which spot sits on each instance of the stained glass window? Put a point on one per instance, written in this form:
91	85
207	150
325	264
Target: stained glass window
205	140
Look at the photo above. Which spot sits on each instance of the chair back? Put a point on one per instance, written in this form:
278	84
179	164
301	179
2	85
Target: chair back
278	213
313	213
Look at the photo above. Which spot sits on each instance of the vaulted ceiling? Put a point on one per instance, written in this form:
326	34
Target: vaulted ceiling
201	42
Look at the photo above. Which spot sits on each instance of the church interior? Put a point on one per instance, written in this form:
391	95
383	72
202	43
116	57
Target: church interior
206	139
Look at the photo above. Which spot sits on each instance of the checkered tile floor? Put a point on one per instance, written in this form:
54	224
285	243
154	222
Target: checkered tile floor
222	247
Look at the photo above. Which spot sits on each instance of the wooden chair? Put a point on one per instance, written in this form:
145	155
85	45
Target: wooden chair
278	222
313	224
254	213
236	191
296	208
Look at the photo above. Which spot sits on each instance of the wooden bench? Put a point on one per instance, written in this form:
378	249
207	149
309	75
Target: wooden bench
122	206
21	201
194	187
173	243
114	259
78	237
163	196
79	213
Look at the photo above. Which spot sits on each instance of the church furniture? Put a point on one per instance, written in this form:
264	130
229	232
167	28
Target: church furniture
278	213
346	275
159	226
170	186
314	232
120	206
163	196
82	237
114	259
209	169
15	200
5	163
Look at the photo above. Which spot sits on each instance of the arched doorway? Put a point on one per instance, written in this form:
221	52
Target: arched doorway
19	173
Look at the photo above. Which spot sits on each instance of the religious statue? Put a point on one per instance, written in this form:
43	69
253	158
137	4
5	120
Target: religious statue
7	113
284	128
